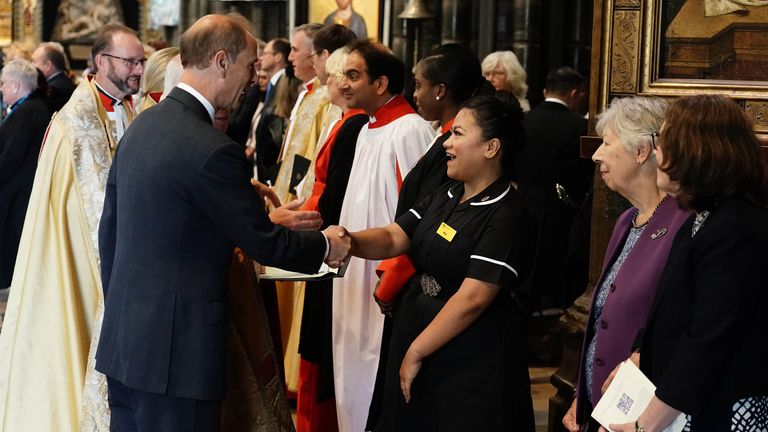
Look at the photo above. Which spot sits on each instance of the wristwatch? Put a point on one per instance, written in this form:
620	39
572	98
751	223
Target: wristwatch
638	428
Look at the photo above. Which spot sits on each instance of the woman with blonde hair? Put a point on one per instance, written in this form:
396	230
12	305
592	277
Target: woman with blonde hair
154	77
316	406
505	72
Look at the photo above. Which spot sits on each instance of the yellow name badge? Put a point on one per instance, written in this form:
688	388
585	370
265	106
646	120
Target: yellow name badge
446	231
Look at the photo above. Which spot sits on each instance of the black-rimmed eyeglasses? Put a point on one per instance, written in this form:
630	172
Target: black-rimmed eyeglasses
654	136
129	62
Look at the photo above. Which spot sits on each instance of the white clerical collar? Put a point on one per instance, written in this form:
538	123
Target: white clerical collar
208	106
277	76
309	84
556	100
118	101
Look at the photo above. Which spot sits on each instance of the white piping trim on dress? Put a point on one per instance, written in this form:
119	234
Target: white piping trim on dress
493	261
493	200
415	213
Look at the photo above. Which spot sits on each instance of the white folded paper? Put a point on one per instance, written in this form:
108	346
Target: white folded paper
278	274
627	397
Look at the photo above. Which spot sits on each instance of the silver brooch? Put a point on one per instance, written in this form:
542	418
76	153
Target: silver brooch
429	285
658	233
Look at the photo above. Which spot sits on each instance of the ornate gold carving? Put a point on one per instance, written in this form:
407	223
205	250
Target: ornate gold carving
627	3
624	53
758	112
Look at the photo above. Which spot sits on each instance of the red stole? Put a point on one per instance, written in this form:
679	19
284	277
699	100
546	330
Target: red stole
323	158
390	111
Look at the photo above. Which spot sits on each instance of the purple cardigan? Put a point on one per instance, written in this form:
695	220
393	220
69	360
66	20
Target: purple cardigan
629	300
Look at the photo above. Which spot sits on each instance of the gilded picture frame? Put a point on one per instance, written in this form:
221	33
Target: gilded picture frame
6	22
631	40
367	10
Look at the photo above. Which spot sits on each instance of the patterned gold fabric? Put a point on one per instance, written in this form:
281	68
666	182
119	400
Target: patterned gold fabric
55	305
255	398
307	123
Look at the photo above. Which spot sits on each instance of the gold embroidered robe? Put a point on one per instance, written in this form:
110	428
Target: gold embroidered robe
56	302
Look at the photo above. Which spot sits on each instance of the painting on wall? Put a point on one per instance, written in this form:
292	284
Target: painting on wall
79	20
714	39
361	16
6	22
672	48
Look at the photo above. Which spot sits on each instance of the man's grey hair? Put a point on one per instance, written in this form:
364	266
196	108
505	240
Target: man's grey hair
22	70
309	30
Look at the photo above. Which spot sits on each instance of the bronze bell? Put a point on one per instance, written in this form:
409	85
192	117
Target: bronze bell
416	10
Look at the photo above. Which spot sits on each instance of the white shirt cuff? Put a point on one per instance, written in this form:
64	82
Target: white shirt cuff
327	247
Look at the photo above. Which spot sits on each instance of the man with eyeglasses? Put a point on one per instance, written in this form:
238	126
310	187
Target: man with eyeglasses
268	125
54	313
274	60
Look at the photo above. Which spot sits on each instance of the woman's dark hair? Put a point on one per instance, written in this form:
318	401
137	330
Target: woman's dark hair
501	117
710	149
458	69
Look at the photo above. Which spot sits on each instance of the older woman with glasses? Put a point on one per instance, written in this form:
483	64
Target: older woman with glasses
704	343
636	252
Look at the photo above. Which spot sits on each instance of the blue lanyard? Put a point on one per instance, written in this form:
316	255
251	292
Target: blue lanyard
15	106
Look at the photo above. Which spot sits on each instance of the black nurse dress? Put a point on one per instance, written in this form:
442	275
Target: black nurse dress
478	380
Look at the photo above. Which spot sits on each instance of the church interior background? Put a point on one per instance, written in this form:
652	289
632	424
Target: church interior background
665	48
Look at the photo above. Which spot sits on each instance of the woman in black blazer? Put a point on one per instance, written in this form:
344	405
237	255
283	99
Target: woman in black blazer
704	346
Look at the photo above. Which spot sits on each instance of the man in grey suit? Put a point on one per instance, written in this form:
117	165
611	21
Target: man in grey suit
178	201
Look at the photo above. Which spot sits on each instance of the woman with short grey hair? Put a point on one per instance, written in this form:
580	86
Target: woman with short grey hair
637	250
505	72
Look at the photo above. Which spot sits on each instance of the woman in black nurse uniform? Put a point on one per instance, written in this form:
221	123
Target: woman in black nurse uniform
457	359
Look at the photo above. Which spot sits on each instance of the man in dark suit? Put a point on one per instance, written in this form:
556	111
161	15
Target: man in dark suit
50	59
178	201
270	123
21	134
555	179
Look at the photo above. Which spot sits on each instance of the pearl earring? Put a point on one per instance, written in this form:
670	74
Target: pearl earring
437	98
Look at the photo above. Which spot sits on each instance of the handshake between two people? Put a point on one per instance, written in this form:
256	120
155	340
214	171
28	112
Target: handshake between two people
291	216
339	245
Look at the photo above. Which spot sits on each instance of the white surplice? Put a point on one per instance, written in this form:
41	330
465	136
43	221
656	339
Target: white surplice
387	148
